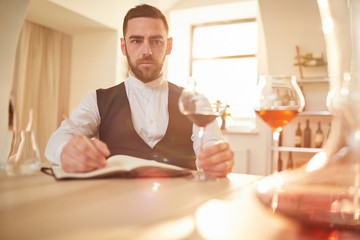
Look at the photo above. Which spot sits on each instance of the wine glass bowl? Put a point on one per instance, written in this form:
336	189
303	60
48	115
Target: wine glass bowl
279	100
196	106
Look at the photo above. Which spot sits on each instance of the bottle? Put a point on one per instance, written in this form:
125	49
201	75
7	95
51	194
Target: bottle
329	131
280	163
298	134
11	116
307	135
319	136
290	162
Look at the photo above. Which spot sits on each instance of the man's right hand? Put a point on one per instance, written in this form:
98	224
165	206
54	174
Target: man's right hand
79	156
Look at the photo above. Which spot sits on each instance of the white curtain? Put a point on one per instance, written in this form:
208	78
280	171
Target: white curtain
41	80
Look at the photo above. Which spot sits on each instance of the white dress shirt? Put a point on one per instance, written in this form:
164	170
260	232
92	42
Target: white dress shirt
149	112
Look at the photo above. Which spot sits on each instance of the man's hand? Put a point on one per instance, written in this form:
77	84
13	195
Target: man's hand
217	160
80	156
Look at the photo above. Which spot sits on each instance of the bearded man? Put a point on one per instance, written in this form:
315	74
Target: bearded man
140	116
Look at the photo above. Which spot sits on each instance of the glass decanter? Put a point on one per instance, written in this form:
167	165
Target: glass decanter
24	157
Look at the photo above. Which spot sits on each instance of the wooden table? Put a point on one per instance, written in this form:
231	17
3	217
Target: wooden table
39	207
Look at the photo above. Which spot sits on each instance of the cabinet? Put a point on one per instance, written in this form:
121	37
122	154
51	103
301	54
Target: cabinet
315	91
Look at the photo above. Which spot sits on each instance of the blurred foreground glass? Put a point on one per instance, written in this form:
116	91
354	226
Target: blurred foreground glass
24	158
327	190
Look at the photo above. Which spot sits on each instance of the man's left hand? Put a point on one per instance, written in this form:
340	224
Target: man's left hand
217	160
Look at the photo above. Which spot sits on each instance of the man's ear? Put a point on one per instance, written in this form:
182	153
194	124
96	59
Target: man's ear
123	46
169	45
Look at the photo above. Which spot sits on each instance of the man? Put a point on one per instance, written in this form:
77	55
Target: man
139	117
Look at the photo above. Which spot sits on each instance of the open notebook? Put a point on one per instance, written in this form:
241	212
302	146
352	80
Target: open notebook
127	166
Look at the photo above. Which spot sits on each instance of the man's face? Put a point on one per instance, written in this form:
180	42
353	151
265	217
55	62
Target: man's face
145	47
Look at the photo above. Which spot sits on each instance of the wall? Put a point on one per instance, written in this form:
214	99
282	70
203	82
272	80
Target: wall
186	4
288	23
256	144
94	63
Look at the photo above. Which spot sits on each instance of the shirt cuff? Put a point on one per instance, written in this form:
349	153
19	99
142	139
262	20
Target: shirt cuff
57	159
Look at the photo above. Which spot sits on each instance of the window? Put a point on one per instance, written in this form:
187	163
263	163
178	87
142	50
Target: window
223	61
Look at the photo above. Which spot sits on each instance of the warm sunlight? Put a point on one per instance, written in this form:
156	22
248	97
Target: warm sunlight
225	65
225	40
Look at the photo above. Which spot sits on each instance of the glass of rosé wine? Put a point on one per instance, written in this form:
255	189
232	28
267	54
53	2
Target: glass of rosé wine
278	100
200	111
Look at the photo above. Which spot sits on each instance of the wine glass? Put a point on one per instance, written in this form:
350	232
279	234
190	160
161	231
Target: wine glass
278	100
199	110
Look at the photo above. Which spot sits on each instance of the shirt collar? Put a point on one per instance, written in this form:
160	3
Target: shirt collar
153	84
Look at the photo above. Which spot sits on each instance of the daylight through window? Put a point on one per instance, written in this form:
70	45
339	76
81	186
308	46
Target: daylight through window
223	61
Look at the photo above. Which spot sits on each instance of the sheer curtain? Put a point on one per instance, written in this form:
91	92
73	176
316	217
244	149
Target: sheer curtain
41	80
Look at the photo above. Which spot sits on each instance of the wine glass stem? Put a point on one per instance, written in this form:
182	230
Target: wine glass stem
276	135
201	134
201	172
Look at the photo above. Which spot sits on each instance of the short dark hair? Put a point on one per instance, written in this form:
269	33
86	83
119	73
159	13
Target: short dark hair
144	10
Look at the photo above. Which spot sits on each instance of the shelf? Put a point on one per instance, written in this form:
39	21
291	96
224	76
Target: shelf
297	149
315	113
319	80
300	66
311	66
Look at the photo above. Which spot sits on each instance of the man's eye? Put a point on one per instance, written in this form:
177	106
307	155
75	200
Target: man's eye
157	42
136	41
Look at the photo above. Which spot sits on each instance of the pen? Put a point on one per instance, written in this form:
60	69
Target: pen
77	130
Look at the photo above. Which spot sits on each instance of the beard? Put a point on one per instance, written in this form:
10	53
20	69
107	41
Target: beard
146	74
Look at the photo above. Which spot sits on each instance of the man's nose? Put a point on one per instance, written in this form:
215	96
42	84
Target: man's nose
146	49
